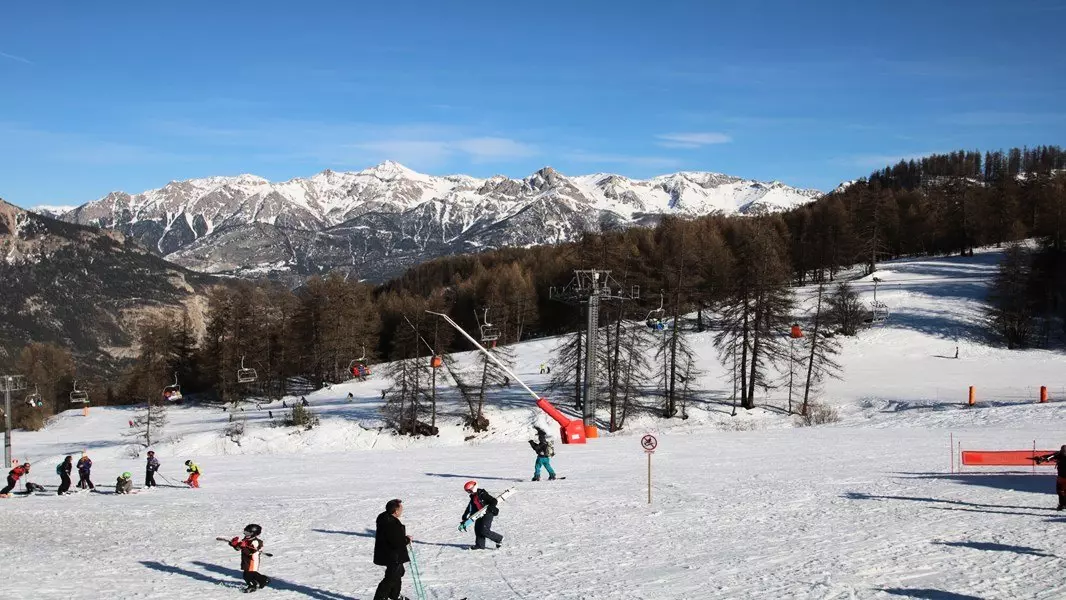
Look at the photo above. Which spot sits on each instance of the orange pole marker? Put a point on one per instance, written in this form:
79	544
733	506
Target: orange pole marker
1043	393
973	396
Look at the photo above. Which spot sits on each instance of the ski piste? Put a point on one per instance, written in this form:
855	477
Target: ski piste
474	517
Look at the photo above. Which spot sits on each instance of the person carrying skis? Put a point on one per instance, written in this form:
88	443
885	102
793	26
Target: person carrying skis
194	474
150	467
390	550
250	548
124	483
480	498
1059	458
545	451
13	477
63	469
85	466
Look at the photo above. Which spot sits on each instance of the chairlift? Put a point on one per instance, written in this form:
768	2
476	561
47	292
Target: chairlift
78	396
246	375
33	399
358	367
655	316
172	393
879	312
489	333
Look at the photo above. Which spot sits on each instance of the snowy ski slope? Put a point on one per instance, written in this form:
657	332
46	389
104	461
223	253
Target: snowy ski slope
743	507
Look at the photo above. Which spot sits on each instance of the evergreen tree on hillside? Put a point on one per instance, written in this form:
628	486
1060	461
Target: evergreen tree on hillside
1010	313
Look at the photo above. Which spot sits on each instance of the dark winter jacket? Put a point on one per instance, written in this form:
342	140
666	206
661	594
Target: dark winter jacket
85	465
1059	459
64	468
153	464
390	541
478	500
540	447
250	548
123	486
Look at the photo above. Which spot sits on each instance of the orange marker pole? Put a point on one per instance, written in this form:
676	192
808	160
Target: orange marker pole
1043	394
951	449
973	396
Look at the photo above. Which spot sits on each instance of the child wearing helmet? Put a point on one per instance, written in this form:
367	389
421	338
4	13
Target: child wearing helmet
194	474
251	547
480	498
124	484
150	468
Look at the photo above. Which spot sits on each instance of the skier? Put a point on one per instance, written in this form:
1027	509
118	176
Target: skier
390	550
150	468
479	498
13	477
85	465
250	548
545	451
304	401
350	397
124	484
194	474
63	469
541	368
1059	459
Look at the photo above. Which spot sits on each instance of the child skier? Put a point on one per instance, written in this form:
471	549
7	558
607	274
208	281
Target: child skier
13	477
1059	458
63	469
194	474
544	451
124	484
250	548
85	466
480	498
150	467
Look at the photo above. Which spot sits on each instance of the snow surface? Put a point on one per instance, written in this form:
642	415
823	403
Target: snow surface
743	507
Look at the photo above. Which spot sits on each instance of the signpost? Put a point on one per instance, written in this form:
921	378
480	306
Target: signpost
648	442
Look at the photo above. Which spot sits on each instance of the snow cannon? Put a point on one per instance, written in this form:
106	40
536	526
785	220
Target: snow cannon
571	431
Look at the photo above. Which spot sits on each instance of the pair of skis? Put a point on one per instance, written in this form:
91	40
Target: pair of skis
474	517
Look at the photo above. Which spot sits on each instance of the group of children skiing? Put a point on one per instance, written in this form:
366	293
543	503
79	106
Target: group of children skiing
123	485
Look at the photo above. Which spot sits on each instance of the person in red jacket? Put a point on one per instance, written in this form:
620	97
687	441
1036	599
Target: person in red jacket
13	477
250	548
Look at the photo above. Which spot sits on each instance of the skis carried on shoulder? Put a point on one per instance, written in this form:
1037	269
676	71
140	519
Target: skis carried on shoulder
474	517
227	540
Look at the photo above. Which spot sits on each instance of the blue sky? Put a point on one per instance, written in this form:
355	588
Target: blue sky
100	96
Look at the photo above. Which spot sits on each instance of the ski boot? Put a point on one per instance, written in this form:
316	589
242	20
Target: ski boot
251	587
551	477
535	478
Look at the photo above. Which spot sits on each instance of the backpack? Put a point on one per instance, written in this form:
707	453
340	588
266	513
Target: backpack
551	448
59	469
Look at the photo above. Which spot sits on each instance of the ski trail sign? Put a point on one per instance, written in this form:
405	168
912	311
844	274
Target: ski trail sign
474	517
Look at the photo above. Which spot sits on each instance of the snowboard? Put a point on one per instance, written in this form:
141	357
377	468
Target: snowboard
474	517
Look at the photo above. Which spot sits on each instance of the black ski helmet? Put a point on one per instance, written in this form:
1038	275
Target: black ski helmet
188	462
252	530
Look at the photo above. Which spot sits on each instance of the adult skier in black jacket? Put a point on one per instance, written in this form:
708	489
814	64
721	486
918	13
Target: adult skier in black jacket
63	469
480	498
1059	458
390	550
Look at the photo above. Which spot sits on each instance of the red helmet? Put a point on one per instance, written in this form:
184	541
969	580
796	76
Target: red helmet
470	486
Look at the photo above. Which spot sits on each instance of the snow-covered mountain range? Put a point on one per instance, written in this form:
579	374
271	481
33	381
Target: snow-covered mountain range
376	222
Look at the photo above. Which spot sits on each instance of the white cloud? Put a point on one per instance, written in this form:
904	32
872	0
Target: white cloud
16	58
692	139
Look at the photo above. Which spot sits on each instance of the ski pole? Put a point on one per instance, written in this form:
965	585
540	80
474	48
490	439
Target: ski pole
416	577
222	539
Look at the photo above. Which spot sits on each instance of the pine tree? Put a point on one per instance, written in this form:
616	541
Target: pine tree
1010	313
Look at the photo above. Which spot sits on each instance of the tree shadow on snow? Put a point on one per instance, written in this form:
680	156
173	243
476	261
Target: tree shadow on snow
1016	482
369	533
993	547
864	496
928	594
474	477
280	584
158	566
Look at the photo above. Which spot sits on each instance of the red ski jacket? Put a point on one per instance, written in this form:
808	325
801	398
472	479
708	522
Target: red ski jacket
17	472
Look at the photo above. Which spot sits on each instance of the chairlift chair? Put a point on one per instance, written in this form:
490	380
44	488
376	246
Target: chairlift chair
489	333
78	396
246	375
358	367
34	398
172	393
655	316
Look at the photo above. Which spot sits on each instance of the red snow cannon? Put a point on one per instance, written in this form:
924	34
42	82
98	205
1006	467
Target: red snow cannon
572	431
